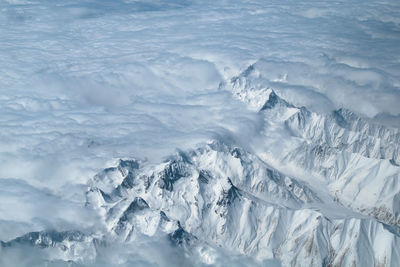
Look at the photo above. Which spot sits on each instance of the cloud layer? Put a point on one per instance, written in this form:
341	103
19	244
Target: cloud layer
83	83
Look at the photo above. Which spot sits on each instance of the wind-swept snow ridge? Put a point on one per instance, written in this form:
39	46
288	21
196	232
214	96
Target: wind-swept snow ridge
221	195
344	130
358	159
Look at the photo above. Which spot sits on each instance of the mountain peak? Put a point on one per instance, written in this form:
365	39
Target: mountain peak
274	100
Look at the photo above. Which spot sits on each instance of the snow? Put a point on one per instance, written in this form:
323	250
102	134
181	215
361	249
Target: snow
86	83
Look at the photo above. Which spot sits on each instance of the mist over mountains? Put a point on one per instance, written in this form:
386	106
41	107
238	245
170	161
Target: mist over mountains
204	132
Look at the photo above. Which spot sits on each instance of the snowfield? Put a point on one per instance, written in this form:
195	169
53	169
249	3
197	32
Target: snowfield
198	133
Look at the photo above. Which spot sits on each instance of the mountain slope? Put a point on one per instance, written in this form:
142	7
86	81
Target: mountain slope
311	189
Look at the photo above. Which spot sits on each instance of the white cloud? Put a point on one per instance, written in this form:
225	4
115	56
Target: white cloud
85	82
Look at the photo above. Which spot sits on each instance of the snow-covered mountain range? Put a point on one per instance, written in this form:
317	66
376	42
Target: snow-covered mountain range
312	189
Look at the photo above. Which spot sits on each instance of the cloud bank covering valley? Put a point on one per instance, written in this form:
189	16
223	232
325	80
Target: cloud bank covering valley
84	83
